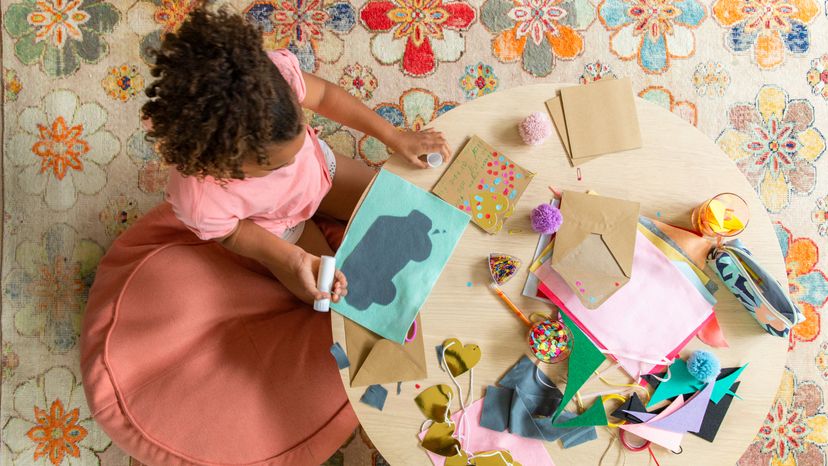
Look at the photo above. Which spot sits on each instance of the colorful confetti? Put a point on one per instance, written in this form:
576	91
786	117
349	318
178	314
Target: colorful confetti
550	341
503	267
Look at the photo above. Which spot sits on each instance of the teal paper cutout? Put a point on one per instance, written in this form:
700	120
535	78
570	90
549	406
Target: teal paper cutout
594	416
385	297
682	383
584	359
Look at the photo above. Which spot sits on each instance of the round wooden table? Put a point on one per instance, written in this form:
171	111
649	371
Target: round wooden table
677	168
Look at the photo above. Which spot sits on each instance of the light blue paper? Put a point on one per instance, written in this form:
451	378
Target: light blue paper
393	252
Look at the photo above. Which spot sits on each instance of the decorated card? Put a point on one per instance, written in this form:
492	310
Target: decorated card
484	183
394	250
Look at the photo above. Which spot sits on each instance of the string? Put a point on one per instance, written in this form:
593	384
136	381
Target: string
652	455
494	453
463	419
623	453
537	376
634	386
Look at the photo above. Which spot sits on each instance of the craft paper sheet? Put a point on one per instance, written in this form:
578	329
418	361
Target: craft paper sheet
484	183
394	250
526	451
588	133
652	317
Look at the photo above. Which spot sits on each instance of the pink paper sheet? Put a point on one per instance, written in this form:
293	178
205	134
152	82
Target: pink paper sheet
652	317
524	450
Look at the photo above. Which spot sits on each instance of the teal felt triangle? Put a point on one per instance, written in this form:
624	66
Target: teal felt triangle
584	359
682	383
594	416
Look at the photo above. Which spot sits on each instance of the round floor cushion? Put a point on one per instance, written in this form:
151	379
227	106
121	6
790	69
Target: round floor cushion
191	354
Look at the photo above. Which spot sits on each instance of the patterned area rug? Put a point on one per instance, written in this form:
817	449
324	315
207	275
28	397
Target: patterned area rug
751	74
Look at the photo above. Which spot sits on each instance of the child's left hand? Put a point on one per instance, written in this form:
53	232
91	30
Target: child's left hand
410	145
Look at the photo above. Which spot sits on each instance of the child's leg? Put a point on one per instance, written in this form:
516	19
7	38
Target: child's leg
351	179
313	241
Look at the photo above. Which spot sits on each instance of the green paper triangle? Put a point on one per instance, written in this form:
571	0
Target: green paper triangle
594	416
584	359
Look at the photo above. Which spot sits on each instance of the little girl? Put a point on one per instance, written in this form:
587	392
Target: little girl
249	172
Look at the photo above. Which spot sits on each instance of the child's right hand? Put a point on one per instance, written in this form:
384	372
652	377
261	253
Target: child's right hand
299	276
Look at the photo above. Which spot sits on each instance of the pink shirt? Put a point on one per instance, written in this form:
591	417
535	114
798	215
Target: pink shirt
277	202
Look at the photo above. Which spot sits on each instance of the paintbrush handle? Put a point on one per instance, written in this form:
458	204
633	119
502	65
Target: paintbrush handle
512	307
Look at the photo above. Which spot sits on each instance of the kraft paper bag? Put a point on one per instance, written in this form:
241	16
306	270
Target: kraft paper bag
376	360
596	119
594	246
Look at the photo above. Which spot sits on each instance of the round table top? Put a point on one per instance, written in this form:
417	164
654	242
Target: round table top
677	168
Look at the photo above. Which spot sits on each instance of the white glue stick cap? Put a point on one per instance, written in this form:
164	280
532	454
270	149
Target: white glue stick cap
324	282
434	159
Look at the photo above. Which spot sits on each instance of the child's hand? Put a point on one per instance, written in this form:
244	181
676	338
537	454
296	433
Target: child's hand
300	279
410	145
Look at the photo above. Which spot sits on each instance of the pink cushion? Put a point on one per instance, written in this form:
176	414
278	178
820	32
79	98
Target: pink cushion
193	355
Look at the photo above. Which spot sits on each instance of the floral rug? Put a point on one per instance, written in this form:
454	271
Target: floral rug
751	74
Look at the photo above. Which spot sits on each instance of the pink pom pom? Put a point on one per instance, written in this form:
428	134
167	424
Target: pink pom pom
535	128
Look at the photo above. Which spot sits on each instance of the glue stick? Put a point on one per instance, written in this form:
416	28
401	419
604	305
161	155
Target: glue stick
434	159
324	282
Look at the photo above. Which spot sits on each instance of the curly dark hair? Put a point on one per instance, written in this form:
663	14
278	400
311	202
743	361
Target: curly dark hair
217	99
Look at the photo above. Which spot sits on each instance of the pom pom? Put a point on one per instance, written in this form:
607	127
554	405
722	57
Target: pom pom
704	366
535	129
546	219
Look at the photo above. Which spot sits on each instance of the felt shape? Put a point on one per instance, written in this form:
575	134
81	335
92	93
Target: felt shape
722	386
711	333
434	402
503	267
627	411
714	416
460	358
665	438
689	417
594	416
584	359
693	247
483	183
594	247
439	439
497	403
586	134
375	360
530	452
626	326
642	416
375	396
494	458
393	253
539	394
340	356
682	383
578	436
704	366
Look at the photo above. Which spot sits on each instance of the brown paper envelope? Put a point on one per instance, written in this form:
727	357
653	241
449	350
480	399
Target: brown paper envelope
556	112
376	360
595	244
696	247
600	118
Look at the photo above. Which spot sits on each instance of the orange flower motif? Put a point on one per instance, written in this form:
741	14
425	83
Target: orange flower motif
56	433
171	13
58	21
808	285
60	147
768	26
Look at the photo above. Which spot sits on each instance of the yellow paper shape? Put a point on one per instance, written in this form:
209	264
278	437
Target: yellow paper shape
438	439
460	358
434	402
716	213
